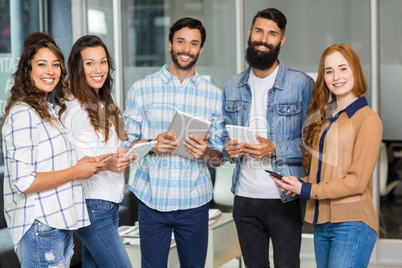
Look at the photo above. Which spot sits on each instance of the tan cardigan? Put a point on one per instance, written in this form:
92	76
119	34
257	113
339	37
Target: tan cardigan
350	151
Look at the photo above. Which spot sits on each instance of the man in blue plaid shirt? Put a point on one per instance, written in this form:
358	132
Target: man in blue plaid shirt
173	191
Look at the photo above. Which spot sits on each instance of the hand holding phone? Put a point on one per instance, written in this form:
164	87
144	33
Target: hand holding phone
107	158
274	174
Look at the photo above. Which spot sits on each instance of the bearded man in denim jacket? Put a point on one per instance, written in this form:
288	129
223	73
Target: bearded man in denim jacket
271	99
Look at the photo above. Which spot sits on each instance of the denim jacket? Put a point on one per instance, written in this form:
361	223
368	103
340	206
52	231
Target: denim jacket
288	101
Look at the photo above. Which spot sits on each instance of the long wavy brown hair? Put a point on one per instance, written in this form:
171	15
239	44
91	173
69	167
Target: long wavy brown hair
101	108
24	88
319	110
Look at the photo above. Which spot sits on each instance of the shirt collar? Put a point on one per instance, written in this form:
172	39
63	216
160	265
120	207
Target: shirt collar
167	76
356	106
50	105
350	110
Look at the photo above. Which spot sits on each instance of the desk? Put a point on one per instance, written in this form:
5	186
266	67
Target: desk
398	154
223	245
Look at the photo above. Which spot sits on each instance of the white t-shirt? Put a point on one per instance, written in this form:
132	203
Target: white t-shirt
254	182
106	185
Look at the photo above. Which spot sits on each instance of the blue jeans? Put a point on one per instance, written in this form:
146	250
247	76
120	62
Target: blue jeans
45	246
190	229
258	221
102	245
343	245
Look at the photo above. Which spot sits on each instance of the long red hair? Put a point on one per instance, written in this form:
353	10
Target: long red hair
321	97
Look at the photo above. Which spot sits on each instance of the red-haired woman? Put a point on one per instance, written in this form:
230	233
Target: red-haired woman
342	138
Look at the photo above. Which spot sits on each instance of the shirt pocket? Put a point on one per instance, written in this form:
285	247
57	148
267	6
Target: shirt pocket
288	118
232	109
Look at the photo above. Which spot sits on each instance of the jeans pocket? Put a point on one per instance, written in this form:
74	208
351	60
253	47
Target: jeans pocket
44	230
99	205
47	245
101	210
371	235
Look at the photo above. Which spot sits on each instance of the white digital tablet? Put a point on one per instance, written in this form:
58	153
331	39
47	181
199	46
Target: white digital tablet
141	149
183	125
242	134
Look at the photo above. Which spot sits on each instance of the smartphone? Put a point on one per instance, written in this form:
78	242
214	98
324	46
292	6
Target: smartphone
107	158
276	175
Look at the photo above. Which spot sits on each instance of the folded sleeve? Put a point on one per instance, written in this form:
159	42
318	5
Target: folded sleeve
20	139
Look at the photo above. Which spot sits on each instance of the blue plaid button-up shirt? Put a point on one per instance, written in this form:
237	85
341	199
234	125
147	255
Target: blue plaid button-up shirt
168	182
32	145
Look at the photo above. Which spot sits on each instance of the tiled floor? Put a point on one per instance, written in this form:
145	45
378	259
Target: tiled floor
304	264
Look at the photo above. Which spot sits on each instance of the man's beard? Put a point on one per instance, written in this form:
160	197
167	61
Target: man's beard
261	60
175	58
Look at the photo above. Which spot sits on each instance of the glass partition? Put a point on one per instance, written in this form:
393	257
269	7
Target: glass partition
100	21
390	98
145	30
18	18
314	25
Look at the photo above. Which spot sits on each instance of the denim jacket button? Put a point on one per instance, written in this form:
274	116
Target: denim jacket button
244	107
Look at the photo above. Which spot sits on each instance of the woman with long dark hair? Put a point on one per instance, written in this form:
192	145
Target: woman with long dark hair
43	201
96	126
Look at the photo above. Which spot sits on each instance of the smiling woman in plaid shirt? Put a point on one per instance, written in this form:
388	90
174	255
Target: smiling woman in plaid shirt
43	201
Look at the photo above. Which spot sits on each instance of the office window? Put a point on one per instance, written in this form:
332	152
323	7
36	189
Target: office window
18	18
390	103
100	21
6	61
145	30
391	68
314	25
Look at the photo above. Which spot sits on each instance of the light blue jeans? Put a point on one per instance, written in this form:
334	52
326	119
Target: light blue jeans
45	246
343	245
102	245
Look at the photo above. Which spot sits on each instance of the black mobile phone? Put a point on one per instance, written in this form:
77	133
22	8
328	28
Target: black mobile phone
276	175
